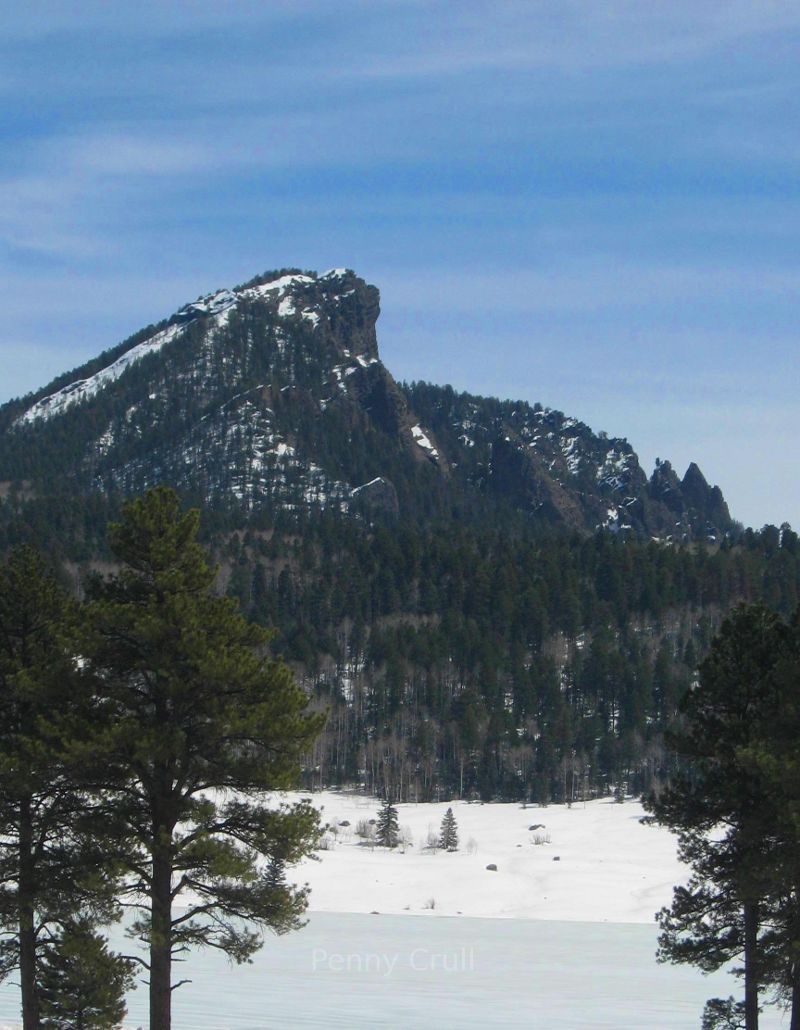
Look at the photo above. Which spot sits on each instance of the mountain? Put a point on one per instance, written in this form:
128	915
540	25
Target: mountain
272	396
487	597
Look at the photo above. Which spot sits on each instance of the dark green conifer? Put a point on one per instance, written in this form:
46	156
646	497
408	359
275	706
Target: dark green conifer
50	863
205	724
387	831
723	1014
83	984
448	834
741	901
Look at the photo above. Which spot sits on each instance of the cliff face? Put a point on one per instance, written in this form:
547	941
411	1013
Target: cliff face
273	395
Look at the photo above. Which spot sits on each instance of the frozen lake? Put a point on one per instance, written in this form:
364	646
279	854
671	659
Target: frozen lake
361	971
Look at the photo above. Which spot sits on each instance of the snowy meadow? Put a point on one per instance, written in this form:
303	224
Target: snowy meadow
560	936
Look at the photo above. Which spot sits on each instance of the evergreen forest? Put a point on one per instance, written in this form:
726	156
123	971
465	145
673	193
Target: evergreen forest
485	660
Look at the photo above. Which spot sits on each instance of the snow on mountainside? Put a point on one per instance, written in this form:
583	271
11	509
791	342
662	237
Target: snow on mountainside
216	306
84	389
273	396
422	440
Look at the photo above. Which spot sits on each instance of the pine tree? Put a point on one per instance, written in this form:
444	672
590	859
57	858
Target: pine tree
387	831
773	760
205	725
741	901
50	866
448	834
723	1014
83	984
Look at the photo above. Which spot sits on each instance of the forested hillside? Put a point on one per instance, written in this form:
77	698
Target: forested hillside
482	663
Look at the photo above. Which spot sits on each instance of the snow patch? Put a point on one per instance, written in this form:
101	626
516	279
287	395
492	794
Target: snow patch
372	482
422	440
614	470
571	454
215	304
280	285
84	389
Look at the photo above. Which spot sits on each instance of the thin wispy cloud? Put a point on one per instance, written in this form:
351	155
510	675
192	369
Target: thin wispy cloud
602	284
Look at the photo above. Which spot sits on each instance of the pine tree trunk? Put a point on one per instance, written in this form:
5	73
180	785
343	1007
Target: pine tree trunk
795	1023
27	927
750	973
161	943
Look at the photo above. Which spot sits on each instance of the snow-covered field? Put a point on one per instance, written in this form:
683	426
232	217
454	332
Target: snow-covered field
597	862
362	972
566	944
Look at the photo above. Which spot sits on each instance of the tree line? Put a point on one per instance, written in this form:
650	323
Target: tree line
476	658
495	663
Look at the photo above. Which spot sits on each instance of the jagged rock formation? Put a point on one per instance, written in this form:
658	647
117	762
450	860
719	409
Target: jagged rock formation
273	396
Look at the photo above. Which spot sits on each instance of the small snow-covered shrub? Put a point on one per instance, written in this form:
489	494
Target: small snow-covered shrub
430	904
541	838
365	829
472	846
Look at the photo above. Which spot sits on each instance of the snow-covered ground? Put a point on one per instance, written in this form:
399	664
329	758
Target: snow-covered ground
560	937
595	863
362	972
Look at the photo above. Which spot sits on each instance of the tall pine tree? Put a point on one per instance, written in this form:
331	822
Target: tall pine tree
741	900
205	724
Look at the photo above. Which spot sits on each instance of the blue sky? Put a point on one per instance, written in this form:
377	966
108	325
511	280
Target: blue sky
589	204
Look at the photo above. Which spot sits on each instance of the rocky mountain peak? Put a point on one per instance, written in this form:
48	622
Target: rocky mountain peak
272	396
